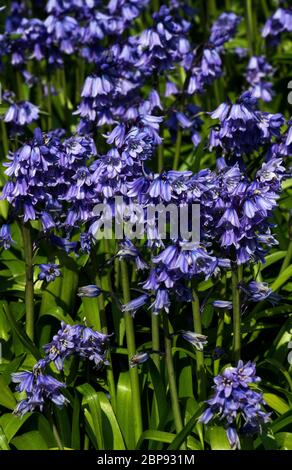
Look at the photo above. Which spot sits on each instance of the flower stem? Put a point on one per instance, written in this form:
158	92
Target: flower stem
236	275
249	26
171	376
177	149
49	104
4	138
201	376
219	341
29	288
131	345
104	330
155	323
287	258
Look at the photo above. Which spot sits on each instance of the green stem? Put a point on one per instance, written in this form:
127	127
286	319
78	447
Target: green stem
249	25
265	8
236	275
86	442
19	86
227	5
104	330
287	258
200	366
4	138
49	104
177	149
29	288
155	323
131	346
219	341
171	376
211	11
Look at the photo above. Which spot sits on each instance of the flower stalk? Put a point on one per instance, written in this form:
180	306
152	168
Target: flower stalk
155	324
29	287
131	346
236	276
171	376
200	366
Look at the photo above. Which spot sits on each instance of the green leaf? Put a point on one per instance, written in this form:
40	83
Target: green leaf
3	441
112	433
58	313
75	433
20	333
91	400
7	398
276	403
284	440
182	436
124	407
153	435
268	440
159	390
273	258
218	438
11	424
32	440
282	278
4	326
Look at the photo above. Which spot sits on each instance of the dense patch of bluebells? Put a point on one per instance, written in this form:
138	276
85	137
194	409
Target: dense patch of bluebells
59	179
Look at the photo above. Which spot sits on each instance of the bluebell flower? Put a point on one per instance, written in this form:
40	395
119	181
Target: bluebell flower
135	304
224	28
165	43
205	63
128	250
259	291
243	129
161	301
22	113
138	358
5	237
77	340
225	304
258	71
49	272
89	291
39	388
197	340
236	403
278	23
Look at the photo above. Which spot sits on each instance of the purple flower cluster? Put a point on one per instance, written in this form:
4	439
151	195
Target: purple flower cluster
243	129
236	403
204	65
47	176
233	207
258	70
70	27
40	387
80	340
278	23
